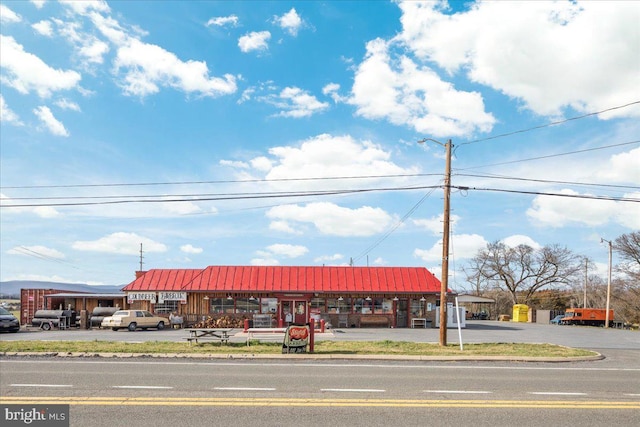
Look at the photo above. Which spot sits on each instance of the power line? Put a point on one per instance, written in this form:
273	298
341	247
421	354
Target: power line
541	193
547	181
559	122
395	227
553	155
243	181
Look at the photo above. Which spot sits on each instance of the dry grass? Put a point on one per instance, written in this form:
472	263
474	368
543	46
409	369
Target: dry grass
322	347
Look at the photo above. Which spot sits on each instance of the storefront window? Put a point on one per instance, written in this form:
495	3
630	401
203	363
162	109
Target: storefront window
166	307
344	305
417	307
318	305
221	305
247	305
382	306
269	305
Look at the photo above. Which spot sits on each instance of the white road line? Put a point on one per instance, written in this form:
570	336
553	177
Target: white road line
355	390
151	387
336	365
458	391
41	385
632	394
245	388
556	393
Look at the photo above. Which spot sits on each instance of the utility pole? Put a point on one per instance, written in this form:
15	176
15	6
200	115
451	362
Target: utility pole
606	319
445	247
444	282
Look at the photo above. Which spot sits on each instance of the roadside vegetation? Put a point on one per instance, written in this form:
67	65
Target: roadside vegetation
321	347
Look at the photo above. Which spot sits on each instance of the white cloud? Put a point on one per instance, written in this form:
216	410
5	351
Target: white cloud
8	16
549	55
180	208
330	156
462	246
262	164
435	224
145	67
38	3
254	41
44	28
284	227
7	115
26	72
264	261
297	103
222	21
290	21
332	90
36	251
556	211
623	168
234	164
518	239
404	93
190	249
94	50
286	250
65	104
628	214
328	258
41	211
334	220
120	243
50	122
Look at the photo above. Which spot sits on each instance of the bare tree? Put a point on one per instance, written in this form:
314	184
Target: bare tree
523	270
627	247
627	295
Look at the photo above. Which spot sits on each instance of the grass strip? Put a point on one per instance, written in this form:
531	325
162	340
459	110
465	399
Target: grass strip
386	347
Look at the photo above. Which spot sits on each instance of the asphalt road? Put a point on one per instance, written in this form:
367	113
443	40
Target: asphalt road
174	392
177	392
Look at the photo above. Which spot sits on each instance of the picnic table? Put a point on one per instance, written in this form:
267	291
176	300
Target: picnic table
208	334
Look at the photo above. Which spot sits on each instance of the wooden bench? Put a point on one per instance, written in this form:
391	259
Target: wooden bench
265	334
374	321
208	334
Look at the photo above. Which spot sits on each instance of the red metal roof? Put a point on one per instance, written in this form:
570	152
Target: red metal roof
274	279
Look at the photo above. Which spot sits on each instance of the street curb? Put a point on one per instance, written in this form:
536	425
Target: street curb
308	356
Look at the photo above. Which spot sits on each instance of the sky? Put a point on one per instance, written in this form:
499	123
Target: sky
312	133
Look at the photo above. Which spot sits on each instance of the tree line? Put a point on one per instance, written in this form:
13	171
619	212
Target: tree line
554	278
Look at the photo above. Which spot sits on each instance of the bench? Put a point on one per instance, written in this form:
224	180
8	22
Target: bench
208	334
373	321
265	334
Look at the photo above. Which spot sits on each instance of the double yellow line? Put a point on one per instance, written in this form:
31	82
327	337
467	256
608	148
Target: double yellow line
313	402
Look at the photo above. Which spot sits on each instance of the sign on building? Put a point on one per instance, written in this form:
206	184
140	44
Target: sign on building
141	296
172	296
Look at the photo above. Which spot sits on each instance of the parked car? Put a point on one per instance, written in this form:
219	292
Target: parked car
557	320
132	320
8	322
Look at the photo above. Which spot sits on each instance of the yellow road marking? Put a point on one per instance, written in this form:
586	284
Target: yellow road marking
274	402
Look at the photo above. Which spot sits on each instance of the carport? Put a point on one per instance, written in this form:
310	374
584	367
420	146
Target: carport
475	303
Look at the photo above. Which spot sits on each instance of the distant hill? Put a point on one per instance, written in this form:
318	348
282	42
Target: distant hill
12	288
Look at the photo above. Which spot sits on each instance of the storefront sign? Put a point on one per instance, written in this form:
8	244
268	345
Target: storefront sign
172	296
296	339
141	296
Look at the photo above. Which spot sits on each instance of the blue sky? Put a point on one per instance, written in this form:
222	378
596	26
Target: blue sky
286	133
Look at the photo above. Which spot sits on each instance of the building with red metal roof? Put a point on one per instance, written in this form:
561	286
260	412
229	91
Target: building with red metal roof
342	296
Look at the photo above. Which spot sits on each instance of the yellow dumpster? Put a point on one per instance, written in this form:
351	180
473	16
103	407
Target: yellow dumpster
520	313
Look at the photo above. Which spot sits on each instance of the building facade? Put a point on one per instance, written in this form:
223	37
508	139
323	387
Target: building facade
340	296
